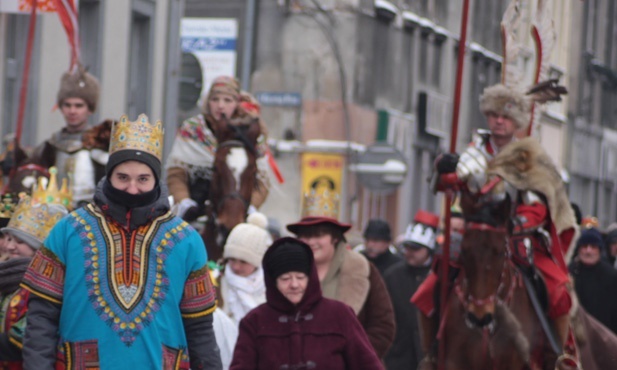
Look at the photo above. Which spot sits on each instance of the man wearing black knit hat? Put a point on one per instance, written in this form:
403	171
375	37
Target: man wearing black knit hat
378	246
135	273
595	279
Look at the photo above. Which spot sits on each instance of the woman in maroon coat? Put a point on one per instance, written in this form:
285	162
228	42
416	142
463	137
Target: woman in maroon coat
297	328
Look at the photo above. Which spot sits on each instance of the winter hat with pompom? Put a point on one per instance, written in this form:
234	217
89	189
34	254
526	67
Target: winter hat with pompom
248	241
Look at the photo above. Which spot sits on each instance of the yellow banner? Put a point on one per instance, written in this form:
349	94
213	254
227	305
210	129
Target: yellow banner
322	182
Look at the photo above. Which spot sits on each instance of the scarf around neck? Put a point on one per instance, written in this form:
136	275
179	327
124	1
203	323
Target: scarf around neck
242	294
130	218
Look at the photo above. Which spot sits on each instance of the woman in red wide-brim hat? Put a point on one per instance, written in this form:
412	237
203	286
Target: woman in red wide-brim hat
349	277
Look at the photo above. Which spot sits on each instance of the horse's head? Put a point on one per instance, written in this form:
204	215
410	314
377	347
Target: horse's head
25	177
235	172
483	258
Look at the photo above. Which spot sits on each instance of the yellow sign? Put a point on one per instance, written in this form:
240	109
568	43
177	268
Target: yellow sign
322	181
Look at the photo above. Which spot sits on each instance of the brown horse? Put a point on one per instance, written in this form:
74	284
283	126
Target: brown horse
233	180
490	322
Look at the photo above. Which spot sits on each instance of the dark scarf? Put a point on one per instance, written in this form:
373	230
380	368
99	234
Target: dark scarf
130	210
11	274
130	200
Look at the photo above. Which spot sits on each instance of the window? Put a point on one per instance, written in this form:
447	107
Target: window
436	63
423	68
90	33
408	69
14	54
140	57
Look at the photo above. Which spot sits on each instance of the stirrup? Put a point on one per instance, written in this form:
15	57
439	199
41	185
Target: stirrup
428	362
567	360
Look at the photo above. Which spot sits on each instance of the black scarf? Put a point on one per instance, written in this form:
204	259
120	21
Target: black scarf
130	200
131	211
11	274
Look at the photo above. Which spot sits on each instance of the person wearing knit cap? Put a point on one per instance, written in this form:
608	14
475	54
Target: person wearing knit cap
128	267
242	282
378	246
24	234
595	278
191	160
68	149
297	327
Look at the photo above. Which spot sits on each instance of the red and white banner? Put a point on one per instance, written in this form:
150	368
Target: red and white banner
67	11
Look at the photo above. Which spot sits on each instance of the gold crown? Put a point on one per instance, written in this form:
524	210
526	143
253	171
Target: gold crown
46	191
35	219
323	203
138	135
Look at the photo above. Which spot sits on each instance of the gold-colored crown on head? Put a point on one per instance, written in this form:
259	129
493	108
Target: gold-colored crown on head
35	219
47	191
137	135
323	203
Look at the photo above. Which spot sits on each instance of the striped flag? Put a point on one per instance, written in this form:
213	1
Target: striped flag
69	17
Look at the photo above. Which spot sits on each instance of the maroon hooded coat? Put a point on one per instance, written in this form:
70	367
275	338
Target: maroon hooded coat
318	333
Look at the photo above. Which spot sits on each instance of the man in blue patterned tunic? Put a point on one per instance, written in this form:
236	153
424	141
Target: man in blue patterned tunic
122	283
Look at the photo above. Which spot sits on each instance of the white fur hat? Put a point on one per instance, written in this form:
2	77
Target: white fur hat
510	102
248	241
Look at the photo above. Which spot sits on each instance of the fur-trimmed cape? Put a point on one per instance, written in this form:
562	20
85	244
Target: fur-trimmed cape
525	165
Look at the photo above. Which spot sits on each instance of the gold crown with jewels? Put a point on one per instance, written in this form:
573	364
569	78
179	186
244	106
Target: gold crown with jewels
47	191
36	219
323	203
137	135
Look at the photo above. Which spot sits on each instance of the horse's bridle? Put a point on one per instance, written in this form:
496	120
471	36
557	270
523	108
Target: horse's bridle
234	194
468	299
241	138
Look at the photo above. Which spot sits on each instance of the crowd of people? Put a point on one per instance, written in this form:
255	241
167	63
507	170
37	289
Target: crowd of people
104	270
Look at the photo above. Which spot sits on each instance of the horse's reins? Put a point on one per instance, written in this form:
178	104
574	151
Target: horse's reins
480	302
242	138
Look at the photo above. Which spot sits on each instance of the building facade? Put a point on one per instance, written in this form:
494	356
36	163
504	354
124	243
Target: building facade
366	71
592	110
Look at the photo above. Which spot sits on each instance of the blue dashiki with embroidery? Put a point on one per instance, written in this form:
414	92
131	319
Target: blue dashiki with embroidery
123	293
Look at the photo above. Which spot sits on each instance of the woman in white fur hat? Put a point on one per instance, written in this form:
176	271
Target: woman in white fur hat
242	283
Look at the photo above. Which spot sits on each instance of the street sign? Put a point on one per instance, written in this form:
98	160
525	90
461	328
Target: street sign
279	99
381	168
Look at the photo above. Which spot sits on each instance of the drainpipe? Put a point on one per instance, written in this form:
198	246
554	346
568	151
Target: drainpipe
247	50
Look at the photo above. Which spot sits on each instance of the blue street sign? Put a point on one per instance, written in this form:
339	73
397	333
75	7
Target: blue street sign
279	99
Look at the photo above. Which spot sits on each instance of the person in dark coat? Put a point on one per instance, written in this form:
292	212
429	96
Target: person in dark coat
349	277
595	279
402	280
298	328
377	246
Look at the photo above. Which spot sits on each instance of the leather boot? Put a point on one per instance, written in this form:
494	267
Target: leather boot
428	333
562	329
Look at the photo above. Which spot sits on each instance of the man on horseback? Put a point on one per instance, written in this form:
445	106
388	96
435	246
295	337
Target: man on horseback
191	161
506	110
78	150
